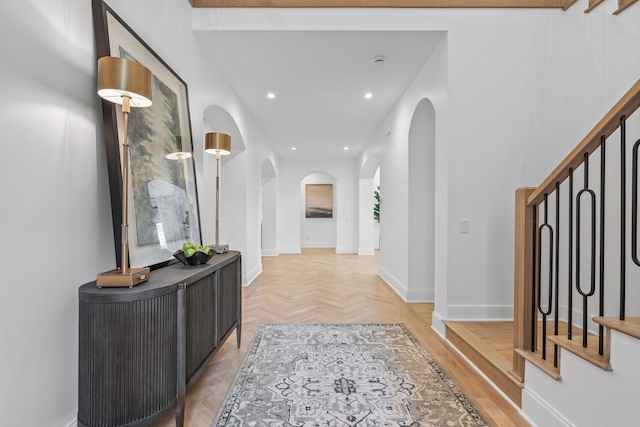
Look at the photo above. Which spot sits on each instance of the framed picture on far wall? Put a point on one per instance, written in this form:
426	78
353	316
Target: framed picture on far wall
319	201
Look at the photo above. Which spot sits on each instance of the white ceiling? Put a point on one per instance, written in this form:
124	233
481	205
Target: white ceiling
319	79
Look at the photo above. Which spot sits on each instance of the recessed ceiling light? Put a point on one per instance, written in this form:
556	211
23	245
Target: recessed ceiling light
368	95
293	148
271	95
346	148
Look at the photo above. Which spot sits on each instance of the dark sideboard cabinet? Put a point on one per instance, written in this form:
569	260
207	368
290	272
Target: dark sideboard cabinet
141	347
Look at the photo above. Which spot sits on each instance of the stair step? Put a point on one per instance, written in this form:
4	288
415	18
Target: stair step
623	4
574	345
629	326
546	366
589	353
484	357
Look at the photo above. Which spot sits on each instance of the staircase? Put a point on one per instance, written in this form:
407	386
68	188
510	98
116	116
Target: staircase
576	263
587	394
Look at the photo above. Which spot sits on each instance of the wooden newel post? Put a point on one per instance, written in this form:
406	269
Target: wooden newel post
523	286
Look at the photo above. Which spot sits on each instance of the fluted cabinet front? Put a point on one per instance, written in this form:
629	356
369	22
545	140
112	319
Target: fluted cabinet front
201	323
127	361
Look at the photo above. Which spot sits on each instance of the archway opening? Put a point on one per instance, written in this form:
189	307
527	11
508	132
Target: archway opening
369	223
268	209
421	149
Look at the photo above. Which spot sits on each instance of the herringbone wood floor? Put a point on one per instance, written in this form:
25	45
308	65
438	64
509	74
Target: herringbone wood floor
321	286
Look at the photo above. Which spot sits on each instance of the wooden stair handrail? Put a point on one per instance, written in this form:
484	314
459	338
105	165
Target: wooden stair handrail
629	103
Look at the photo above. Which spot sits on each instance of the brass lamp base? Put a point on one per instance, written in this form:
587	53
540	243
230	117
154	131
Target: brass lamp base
118	279
220	249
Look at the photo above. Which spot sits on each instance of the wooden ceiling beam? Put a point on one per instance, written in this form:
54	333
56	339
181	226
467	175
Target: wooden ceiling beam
562	4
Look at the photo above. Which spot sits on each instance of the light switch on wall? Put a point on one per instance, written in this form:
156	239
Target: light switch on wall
464	226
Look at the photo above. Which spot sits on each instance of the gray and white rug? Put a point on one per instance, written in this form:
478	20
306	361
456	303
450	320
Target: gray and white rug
342	375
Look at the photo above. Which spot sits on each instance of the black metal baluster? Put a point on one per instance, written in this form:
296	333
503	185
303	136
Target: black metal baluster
634	205
623	215
586	295
534	316
557	279
546	312
603	140
570	277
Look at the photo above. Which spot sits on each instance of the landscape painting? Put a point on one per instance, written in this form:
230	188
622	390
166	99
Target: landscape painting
319	201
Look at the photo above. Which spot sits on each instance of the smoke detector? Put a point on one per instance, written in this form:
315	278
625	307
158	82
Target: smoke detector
378	60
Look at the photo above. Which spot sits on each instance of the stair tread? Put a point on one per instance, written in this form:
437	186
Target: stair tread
629	326
589	353
491	355
536	359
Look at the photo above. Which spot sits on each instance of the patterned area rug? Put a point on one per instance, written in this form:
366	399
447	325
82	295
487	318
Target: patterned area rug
342	375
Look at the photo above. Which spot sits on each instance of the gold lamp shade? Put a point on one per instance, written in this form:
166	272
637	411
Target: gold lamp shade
216	142
120	78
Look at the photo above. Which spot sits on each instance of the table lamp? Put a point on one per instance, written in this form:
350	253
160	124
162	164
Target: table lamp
218	144
127	83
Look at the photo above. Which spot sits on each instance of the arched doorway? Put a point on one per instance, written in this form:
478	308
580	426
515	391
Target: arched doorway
368	227
268	209
421	149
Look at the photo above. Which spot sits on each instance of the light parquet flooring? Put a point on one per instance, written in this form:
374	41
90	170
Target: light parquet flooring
319	286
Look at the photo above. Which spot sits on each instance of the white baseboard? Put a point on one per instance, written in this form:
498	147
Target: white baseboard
538	409
296	250
250	276
420	295
341	250
394	283
270	252
439	324
363	251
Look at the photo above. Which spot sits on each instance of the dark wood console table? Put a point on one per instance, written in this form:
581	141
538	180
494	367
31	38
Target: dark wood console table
141	347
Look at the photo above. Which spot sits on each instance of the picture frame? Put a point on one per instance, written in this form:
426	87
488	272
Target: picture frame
163	198
318	201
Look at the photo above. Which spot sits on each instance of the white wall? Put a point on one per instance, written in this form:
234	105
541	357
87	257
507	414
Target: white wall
291	202
56	231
